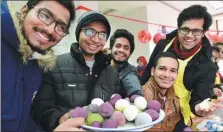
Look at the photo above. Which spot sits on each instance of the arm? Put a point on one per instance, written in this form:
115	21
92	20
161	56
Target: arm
147	73
44	109
202	89
131	84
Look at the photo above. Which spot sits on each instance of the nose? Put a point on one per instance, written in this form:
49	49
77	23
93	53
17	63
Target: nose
190	34
167	73
96	38
50	28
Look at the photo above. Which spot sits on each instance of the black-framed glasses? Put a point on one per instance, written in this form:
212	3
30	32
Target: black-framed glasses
91	33
44	16
195	32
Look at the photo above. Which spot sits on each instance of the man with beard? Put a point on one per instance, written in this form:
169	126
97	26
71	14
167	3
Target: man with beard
79	76
27	38
196	74
122	46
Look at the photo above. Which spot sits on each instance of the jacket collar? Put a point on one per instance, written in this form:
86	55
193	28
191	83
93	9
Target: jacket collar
45	61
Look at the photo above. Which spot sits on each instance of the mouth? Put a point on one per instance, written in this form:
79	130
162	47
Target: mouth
92	46
188	40
43	37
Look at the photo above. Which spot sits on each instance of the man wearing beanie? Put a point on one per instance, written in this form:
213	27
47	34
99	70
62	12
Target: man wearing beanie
122	46
79	76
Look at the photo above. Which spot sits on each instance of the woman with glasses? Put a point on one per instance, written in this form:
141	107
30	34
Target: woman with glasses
196	74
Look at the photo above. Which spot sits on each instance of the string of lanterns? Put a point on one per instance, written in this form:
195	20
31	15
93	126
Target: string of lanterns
144	36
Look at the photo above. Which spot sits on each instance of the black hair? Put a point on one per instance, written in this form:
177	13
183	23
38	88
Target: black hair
164	55
218	44
69	4
123	33
195	12
215	48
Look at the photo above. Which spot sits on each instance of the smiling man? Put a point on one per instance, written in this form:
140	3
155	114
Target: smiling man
122	46
27	37
79	76
197	72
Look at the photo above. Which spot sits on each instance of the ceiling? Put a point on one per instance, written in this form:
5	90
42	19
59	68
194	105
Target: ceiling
119	7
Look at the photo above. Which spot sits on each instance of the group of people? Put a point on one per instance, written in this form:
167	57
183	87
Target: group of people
180	73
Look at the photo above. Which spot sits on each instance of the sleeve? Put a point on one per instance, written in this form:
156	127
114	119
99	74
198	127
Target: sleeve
131	84
44	110
147	73
202	89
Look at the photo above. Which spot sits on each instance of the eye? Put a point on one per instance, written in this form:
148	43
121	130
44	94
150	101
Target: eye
44	15
174	71
89	32
62	28
102	35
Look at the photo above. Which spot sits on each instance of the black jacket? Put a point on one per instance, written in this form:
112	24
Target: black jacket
199	75
71	84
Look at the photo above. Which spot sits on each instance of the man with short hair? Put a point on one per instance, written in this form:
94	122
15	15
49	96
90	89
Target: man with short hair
196	75
122	46
79	76
27	37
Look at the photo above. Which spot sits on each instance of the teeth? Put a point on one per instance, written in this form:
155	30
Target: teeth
93	46
43	37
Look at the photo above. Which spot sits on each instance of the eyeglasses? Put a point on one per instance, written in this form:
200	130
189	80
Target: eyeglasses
195	32
60	28
91	33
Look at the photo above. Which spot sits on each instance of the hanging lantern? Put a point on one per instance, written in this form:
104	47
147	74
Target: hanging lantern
217	38
157	37
144	36
212	36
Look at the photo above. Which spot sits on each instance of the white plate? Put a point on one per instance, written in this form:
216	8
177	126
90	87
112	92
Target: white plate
129	126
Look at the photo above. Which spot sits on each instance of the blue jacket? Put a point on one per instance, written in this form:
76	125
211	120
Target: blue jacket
129	79
18	81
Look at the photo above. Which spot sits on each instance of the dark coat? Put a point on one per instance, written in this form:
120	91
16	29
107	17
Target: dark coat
71	84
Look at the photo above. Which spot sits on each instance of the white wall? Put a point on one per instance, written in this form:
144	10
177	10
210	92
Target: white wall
160	14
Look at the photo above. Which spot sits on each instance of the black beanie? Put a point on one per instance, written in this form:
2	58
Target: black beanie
88	17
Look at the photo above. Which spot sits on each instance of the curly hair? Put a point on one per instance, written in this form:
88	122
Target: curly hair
123	33
195	12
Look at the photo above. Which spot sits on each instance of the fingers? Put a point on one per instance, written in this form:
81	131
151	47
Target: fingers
65	117
75	122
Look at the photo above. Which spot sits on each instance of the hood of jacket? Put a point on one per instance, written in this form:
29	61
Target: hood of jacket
45	61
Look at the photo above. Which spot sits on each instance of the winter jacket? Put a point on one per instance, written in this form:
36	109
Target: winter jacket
20	74
71	84
129	78
170	104
199	75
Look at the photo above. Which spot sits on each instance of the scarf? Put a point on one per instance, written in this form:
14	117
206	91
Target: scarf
184	54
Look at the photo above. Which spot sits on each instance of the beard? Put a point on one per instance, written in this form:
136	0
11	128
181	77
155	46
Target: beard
118	61
36	49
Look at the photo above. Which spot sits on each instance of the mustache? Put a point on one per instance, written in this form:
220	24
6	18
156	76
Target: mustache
45	32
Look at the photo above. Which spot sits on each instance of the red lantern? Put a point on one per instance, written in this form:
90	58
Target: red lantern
157	37
144	36
218	38
212	36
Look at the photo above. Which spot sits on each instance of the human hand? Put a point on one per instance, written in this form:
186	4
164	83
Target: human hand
65	117
217	92
204	108
72	124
